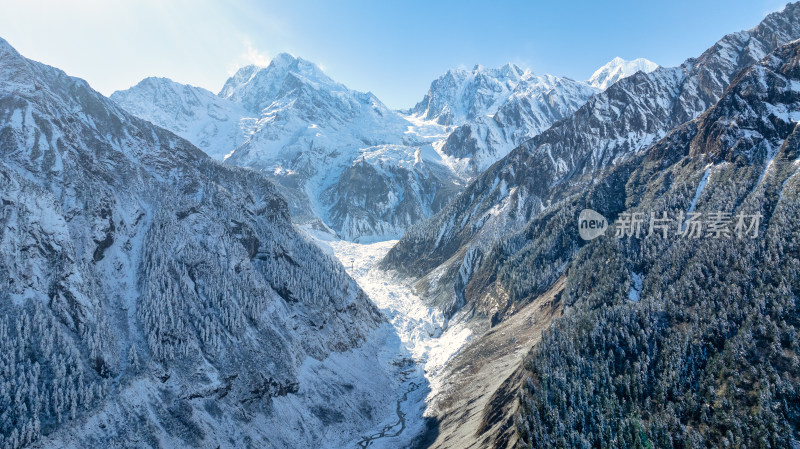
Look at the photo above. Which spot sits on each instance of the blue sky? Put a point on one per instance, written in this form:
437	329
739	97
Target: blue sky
392	48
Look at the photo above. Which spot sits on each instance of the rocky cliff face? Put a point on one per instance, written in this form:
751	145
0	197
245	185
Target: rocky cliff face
386	190
532	106
460	95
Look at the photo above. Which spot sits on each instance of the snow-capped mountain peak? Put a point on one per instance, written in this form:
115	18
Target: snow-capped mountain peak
500	123
462	95
257	87
618	68
242	76
5	46
513	70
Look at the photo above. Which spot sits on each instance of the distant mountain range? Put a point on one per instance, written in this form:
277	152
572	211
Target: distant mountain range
320	141
344	160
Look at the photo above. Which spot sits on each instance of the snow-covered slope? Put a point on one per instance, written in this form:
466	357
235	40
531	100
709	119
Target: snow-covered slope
617	69
425	346
213	124
154	297
311	134
300	118
388	188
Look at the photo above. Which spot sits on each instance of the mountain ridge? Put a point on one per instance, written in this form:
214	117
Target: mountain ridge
142	279
738	157
626	118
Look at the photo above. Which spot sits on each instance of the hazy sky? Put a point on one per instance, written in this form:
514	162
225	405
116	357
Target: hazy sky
392	48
